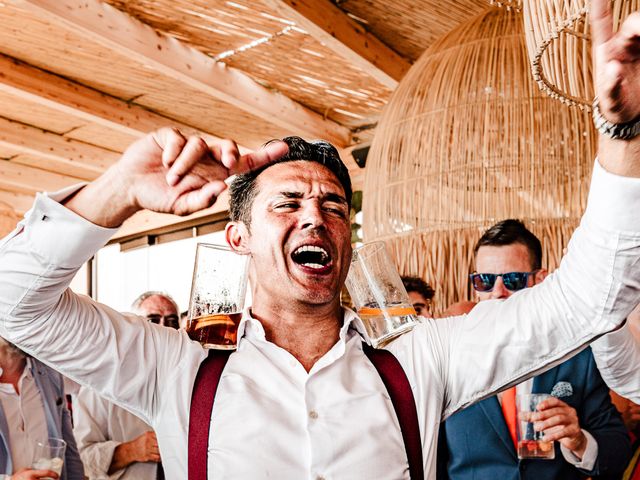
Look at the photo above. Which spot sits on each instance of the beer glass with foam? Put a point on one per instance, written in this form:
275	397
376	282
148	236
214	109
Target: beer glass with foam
378	294
217	296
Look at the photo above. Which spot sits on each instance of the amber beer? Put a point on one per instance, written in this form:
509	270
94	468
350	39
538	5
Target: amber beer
218	331
536	449
386	323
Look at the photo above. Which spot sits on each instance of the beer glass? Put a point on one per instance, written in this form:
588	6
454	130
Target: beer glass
531	444
378	294
217	296
49	455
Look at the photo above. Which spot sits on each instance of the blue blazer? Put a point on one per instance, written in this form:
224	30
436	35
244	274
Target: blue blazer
51	388
474	444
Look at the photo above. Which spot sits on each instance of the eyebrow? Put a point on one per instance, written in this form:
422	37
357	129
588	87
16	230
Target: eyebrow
331	197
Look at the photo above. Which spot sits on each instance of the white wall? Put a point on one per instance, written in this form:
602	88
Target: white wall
122	276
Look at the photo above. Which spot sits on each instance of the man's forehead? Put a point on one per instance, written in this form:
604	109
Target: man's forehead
503	258
156	302
298	176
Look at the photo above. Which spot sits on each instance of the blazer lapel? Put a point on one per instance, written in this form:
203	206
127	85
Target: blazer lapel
544	383
492	409
50	399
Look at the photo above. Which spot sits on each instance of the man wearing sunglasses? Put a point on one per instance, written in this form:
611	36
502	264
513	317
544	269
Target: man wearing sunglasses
589	433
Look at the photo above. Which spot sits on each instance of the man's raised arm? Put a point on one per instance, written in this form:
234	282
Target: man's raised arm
91	343
501	343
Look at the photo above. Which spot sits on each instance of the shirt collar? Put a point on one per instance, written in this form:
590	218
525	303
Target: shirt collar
252	328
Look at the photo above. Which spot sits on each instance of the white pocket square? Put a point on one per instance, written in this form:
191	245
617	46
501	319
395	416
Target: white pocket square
562	389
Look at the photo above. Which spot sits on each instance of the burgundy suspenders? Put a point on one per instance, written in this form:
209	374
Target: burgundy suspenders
404	404
390	370
204	392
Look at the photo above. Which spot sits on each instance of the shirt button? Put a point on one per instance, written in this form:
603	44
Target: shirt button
313	415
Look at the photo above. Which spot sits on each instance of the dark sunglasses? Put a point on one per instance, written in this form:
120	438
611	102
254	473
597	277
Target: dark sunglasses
169	320
513	281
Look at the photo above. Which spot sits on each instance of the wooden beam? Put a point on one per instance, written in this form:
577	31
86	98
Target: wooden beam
20	202
60	154
145	220
127	36
46	89
330	25
30	180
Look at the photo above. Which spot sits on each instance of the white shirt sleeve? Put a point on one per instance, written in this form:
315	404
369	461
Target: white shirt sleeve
91	430
116	354
500	343
617	355
590	454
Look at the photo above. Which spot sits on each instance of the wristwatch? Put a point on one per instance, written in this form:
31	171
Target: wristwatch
617	131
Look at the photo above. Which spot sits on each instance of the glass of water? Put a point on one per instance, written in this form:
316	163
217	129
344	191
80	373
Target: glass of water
49	455
531	444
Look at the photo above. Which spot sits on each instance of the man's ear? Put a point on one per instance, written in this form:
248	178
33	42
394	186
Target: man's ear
540	276
237	236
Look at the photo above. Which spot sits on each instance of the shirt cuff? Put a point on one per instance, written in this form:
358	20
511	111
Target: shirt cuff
63	237
590	454
610	193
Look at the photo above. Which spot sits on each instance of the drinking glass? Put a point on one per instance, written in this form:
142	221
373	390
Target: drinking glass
531	444
217	296
378	294
49	455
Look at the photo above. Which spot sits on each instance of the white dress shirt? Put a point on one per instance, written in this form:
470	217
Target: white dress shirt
617	355
25	418
100	426
271	419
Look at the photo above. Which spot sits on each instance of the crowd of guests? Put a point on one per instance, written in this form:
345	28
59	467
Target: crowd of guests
597	431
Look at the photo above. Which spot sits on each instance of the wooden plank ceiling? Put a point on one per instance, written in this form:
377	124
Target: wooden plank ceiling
81	79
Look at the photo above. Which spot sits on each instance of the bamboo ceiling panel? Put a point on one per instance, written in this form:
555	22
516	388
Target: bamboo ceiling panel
76	172
27	112
29	38
409	26
206	113
289	60
102	137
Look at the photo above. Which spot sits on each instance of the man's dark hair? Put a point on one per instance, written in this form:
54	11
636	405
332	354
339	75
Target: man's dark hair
243	189
416	284
508	232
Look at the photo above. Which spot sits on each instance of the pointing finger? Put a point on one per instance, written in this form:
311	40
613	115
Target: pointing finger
254	160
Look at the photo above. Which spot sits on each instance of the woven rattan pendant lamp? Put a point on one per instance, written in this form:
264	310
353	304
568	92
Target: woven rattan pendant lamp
468	139
558	41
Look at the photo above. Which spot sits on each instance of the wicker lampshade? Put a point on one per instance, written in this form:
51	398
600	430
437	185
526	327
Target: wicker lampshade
558	41
516	4
466	140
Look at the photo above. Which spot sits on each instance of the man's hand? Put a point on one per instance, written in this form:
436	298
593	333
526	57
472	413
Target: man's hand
30	474
616	59
169	173
617	63
559	422
141	449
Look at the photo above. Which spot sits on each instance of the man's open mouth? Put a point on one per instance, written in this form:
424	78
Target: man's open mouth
311	256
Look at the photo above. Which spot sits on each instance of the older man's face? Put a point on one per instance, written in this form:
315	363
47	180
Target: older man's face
160	310
300	240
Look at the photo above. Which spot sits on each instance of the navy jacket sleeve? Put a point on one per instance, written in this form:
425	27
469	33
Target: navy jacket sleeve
600	418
